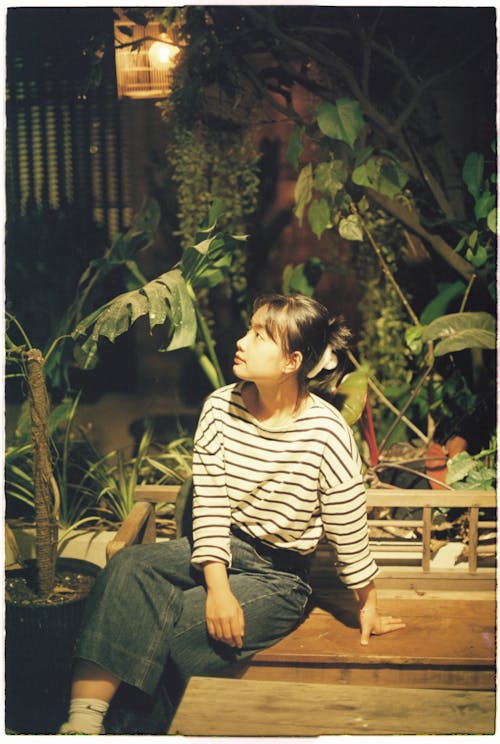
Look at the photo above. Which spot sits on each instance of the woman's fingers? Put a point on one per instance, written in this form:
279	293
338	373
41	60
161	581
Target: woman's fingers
228	631
387	624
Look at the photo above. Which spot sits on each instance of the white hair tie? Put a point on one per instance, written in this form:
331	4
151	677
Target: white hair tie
329	360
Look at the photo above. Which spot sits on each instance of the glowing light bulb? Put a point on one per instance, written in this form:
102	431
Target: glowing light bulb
162	55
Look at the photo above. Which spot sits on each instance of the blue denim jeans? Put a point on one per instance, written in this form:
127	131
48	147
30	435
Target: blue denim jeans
145	622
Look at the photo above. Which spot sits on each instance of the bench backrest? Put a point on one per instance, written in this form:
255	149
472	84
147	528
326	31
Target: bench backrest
426	499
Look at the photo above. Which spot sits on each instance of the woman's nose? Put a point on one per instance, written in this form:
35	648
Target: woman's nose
241	341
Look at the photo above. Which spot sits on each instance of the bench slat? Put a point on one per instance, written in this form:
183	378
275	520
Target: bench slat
221	707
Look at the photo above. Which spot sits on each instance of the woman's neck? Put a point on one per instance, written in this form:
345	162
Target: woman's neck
274	404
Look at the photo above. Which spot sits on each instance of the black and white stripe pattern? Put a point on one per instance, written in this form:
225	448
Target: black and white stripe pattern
287	486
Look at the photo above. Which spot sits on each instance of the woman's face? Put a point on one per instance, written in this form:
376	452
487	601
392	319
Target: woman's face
258	357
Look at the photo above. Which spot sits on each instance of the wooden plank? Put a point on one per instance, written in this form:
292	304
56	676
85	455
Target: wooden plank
438	678
130	530
426	538
224	707
421	497
473	537
452	633
157	494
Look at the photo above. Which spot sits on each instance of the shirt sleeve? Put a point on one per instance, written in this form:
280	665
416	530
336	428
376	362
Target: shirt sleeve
343	510
211	509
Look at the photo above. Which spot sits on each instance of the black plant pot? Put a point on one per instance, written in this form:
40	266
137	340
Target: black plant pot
39	641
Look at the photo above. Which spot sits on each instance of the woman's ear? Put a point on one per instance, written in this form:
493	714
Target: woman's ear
294	362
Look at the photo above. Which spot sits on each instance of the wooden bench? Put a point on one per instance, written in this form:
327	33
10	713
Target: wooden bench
220	707
449	641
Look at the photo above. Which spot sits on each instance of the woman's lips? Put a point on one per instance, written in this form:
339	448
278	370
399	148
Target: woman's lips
238	360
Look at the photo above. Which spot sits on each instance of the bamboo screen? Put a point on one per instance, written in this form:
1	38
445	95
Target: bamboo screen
65	148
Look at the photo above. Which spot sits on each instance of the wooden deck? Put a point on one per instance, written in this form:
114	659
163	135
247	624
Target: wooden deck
221	707
447	644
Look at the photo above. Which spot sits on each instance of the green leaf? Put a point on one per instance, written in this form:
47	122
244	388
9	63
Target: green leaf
478	257
182	314
60	414
438	306
303	277
212	216
330	177
459	467
351	396
376	173
166	298
362	155
491	220
342	121
319	216
472	173
460	331
303	191
460	244
413	338
350	228
484	204
295	146
472	238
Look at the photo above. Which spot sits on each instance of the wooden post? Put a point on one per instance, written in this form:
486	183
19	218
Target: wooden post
45	521
473	537
426	538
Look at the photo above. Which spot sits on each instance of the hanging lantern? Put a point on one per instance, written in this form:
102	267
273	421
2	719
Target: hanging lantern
145	57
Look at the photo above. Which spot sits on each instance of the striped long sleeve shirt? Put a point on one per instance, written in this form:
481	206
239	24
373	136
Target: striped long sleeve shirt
287	486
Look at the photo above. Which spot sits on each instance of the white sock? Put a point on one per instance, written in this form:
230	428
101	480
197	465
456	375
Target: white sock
86	715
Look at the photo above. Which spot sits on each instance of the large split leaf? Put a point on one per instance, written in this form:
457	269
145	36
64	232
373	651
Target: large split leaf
165	299
459	331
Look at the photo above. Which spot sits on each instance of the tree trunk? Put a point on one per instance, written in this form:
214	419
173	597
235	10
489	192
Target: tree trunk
46	525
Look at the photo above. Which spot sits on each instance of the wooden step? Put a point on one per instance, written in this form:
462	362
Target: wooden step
222	707
447	644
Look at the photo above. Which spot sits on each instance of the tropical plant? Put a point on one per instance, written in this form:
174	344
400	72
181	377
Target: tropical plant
69	446
466	471
114	477
169	301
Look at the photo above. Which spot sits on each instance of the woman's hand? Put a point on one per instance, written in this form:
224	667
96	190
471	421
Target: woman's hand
370	622
224	616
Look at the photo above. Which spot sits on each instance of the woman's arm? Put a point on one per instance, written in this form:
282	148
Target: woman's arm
225	620
369	619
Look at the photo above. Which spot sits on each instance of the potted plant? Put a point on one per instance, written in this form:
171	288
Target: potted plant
44	598
42	625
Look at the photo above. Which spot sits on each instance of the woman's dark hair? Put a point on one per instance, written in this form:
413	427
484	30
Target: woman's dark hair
299	323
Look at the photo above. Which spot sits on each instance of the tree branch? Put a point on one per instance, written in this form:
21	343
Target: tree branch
411	219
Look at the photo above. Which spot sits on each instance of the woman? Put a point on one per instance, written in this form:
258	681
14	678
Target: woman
275	468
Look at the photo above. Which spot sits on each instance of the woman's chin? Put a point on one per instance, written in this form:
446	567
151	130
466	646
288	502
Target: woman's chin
238	371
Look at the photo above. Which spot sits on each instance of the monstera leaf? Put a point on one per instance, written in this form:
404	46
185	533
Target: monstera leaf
165	299
169	300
